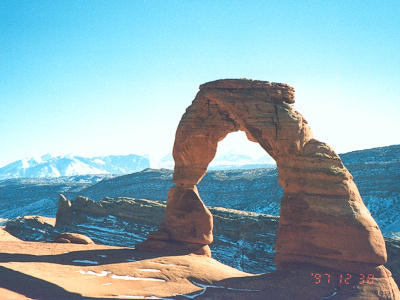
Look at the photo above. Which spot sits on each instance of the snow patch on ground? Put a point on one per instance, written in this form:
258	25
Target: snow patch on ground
128	277
102	274
138	297
123	277
84	261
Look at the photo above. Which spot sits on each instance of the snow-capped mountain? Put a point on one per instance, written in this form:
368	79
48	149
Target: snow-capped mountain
49	166
227	161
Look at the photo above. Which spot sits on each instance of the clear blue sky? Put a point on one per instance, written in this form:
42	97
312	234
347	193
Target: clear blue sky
114	77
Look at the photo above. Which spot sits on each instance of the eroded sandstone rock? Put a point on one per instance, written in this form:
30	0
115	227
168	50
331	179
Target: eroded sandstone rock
64	213
323	219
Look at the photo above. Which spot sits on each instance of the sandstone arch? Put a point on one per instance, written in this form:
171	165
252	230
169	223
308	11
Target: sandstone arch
323	219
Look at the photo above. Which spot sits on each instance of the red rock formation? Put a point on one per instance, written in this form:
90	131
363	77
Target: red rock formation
323	219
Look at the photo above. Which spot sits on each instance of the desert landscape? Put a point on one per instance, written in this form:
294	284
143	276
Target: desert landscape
327	243
199	150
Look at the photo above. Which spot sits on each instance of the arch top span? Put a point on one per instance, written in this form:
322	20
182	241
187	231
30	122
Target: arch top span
323	219
261	109
280	92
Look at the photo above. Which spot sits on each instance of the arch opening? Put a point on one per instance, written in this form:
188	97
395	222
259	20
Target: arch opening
238	152
242	176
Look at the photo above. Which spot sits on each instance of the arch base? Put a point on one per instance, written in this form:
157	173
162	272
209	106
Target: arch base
170	247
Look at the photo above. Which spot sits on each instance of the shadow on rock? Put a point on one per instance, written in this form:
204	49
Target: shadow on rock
35	288
85	257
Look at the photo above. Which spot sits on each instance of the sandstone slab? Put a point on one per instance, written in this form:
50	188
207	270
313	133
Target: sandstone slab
35	270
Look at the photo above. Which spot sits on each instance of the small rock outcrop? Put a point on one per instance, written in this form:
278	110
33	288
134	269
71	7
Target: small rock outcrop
74	238
31	228
64	214
323	220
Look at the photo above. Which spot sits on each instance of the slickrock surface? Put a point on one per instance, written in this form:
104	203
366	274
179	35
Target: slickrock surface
323	219
33	270
36	270
5	236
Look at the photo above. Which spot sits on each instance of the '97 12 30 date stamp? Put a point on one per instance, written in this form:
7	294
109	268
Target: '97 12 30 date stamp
343	278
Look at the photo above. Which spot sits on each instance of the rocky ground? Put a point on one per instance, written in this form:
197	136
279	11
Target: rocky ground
243	247
43	270
33	270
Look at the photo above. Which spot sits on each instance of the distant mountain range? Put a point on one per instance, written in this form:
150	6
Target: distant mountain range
48	166
227	161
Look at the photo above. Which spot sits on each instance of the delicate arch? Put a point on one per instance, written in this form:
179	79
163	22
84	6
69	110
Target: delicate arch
323	219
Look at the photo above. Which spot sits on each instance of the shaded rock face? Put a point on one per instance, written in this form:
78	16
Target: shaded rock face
63	216
31	228
323	219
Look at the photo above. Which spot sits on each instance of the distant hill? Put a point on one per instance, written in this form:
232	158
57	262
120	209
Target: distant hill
251	190
49	166
39	196
376	172
387	154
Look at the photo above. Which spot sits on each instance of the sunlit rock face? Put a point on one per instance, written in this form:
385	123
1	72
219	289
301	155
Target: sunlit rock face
323	218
